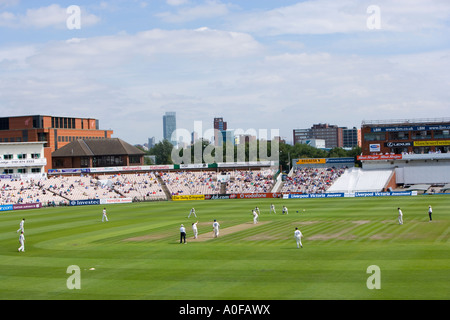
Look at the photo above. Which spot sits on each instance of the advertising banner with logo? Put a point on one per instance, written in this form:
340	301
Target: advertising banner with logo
189	197
22	206
381	157
84	202
219	196
374	147
411	128
398	144
309	161
26	206
316	195
431	143
385	194
115	201
6	207
260	195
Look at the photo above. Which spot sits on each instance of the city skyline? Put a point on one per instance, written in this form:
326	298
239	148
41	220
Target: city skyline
281	64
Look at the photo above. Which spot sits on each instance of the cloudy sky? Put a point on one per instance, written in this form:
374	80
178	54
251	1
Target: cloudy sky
259	64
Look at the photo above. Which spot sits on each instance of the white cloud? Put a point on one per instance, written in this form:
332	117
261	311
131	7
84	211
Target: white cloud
128	80
7	3
176	2
344	16
15	57
210	9
44	17
122	49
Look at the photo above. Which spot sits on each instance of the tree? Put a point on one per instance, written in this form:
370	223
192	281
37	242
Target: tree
162	150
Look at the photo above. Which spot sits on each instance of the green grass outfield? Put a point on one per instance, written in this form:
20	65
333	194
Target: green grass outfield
137	255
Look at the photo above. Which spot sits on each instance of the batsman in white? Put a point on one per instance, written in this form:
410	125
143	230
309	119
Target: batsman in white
192	212
216	227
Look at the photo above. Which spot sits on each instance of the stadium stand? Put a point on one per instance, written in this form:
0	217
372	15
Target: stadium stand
418	187
78	188
152	185
359	180
311	180
190	182
139	186
147	186
250	181
17	191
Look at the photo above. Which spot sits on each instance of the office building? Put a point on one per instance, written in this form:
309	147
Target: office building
54	132
418	136
351	137
169	126
220	131
22	159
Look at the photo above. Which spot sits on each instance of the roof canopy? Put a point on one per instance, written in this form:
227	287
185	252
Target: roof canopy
97	147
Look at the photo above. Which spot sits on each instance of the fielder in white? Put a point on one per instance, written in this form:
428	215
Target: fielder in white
285	210
194	229
400	216
216	227
298	238
22	242
21	226
192	212
255	217
104	215
272	208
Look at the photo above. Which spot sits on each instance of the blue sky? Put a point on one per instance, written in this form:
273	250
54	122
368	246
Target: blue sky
280	64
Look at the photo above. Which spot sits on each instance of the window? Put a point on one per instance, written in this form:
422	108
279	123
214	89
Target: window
401	135
58	163
7	157
421	134
35	156
84	162
107	161
439	134
135	159
22	156
421	150
379	136
4	123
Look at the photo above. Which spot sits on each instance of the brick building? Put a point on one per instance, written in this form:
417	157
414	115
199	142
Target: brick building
93	153
418	136
56	132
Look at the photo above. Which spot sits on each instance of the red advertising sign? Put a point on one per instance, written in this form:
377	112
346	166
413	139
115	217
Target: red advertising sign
380	157
243	196
258	195
25	206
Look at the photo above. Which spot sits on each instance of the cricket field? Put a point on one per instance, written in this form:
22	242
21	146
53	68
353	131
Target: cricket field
353	249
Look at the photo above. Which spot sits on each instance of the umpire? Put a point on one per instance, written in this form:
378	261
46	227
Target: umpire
182	234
